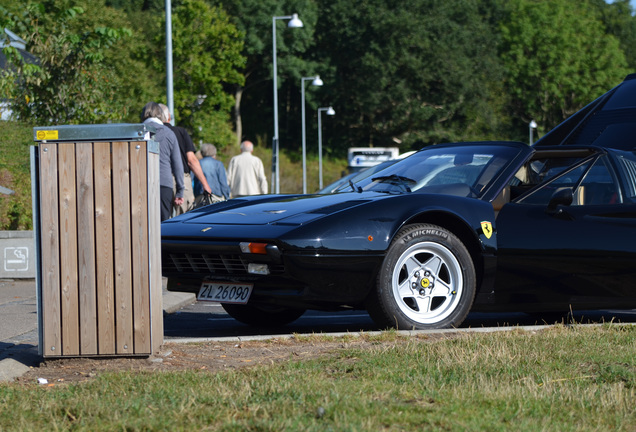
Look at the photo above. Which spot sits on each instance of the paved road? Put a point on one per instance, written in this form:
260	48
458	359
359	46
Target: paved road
18	314
18	328
208	320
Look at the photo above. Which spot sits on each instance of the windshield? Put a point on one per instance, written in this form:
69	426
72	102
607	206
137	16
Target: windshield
342	184
462	170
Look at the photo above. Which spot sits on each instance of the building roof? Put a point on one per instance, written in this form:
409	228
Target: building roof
11	39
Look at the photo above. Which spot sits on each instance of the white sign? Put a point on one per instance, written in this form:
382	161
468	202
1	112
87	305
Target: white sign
16	259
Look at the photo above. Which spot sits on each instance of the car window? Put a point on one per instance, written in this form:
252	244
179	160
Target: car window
361	175
457	170
543	167
592	183
598	186
627	166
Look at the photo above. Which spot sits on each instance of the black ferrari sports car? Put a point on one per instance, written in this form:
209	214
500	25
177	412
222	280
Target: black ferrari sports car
497	226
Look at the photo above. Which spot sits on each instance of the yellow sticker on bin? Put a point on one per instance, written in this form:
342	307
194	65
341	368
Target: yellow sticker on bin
45	135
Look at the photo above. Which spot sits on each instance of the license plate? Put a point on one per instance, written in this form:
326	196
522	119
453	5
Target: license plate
224	292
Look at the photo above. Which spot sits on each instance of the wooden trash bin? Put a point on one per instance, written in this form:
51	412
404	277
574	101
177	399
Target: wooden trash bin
97	234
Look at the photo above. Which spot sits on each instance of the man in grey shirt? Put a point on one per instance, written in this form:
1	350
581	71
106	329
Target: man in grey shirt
170	164
189	161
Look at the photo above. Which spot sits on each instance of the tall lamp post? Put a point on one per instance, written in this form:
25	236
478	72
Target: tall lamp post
329	111
294	22
169	78
532	126
315	80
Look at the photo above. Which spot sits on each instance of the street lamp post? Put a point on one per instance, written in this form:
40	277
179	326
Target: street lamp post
532	126
169	76
330	111
293	23
317	82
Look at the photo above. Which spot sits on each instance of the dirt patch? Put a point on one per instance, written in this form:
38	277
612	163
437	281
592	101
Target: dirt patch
210	356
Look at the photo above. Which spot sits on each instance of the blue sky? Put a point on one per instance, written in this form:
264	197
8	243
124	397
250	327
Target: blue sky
632	2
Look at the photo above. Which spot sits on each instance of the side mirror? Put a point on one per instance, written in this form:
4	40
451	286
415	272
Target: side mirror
561	197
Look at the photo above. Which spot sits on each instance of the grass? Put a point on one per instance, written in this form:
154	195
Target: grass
561	379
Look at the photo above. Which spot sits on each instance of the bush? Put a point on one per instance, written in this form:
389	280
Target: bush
15	174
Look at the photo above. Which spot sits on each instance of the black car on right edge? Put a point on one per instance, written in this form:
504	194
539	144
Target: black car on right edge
490	226
570	241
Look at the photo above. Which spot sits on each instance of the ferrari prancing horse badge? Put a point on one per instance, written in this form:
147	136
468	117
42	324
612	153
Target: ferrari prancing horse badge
486	227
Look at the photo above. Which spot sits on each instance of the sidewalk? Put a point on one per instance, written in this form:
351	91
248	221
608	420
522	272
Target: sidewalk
21	352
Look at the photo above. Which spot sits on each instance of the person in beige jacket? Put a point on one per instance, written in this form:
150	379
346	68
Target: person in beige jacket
246	174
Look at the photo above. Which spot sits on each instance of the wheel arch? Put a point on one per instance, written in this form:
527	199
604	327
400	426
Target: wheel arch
462	230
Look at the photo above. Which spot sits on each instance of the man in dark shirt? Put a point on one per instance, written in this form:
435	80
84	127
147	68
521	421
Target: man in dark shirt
190	163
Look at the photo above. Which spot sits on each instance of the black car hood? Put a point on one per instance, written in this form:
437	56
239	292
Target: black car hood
272	209
609	121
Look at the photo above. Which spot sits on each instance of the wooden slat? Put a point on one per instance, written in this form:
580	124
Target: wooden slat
122	242
68	249
104	249
154	252
139	219
86	252
49	229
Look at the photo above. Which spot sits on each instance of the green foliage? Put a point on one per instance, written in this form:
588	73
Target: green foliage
254	19
620	22
422	71
407	73
15	174
206	49
133	81
68	83
557	58
133	6
414	73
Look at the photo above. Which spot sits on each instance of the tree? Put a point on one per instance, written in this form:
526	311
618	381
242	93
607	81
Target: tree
254	99
557	57
619	21
411	72
207	59
69	83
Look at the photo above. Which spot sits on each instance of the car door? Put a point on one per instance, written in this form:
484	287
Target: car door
553	253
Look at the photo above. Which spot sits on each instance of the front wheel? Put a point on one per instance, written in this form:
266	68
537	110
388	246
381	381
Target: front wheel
427	281
262	316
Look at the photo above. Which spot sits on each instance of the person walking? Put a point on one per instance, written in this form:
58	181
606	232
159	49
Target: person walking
246	174
215	175
170	164
189	161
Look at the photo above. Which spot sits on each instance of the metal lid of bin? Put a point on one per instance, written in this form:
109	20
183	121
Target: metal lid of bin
100	132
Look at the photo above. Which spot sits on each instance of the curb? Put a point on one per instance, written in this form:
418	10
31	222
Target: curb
18	362
11	369
404	333
173	301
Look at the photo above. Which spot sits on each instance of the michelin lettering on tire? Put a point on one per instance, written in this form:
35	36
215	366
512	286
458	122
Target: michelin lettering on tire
427	280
